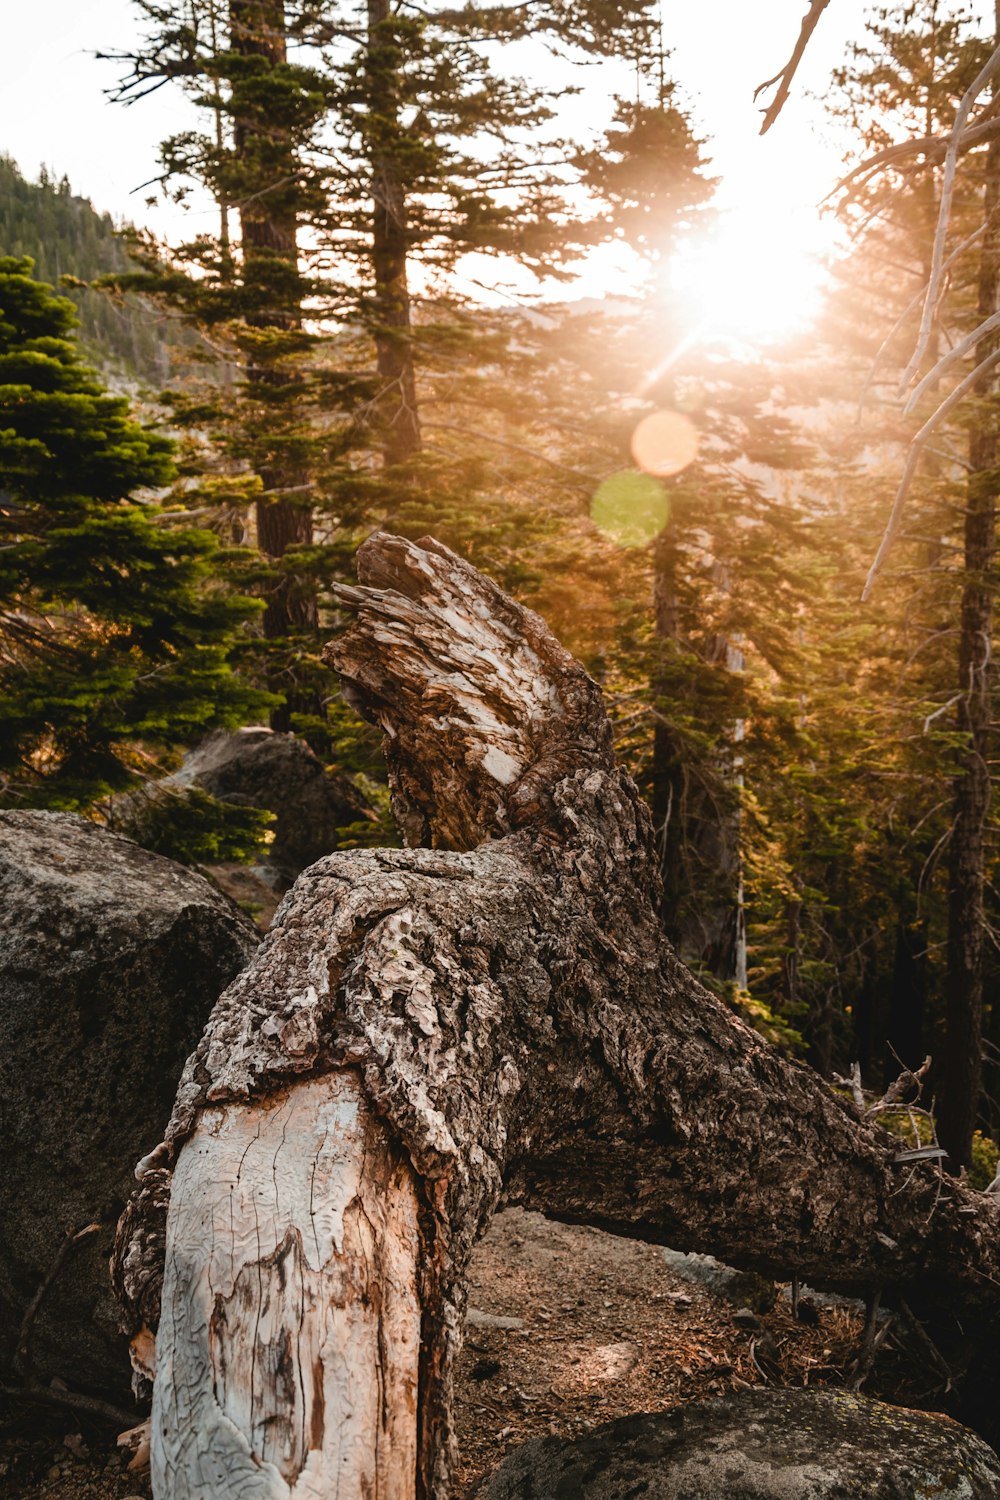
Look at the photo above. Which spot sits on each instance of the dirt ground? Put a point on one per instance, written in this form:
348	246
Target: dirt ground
567	1328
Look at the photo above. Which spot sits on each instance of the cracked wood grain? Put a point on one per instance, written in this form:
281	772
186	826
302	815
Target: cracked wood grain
288	1347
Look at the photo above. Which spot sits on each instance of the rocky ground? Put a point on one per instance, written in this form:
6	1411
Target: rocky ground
568	1328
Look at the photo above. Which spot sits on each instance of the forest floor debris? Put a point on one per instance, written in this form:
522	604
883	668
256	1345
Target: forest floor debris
570	1328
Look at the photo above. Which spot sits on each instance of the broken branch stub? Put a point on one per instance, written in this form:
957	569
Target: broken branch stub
484	712
517	1029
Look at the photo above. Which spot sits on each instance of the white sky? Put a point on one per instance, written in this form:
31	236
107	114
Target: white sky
53	110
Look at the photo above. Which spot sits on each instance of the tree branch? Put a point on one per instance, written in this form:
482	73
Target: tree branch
784	78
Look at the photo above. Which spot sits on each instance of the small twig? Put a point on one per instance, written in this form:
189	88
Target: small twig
756	1361
954	354
913	458
906	1080
853	1082
784	78
87	1406
931	147
866	1351
22	1361
924	1338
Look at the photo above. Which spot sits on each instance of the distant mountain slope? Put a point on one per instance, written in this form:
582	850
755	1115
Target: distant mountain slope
66	236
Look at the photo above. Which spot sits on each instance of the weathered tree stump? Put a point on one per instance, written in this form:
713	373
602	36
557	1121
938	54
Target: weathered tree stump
517	1030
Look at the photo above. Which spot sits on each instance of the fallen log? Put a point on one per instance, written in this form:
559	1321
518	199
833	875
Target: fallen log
492	1017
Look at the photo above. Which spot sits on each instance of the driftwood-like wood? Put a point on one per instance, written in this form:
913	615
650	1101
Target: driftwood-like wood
520	1026
288	1349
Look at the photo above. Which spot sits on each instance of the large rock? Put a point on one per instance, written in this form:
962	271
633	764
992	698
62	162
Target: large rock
258	767
110	961
760	1445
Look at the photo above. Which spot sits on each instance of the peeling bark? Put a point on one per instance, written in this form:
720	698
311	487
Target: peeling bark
518	1024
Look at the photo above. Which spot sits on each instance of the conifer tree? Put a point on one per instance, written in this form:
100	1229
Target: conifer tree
114	643
365	152
72	244
929	674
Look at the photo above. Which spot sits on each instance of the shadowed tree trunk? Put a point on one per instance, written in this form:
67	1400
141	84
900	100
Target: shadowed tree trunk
696	811
268	232
958	1106
398	415
431	1032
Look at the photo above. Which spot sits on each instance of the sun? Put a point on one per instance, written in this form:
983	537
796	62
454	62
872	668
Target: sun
752	279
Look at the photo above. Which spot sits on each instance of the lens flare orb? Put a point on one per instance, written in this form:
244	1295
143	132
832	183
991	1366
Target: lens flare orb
664	443
630	508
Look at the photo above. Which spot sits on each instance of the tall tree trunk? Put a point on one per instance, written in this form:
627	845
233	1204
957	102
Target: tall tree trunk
431	1032
697	825
908	1001
268	229
398	415
962	1085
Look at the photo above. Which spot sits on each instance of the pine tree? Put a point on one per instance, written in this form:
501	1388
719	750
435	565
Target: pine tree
114	644
356	158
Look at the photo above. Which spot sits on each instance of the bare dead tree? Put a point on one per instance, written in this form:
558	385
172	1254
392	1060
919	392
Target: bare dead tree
491	1018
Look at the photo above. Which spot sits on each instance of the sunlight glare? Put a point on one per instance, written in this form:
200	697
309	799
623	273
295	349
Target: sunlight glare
756	277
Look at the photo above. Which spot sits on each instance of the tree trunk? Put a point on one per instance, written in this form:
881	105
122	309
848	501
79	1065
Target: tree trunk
908	1000
519	1031
696	812
268	228
398	415
958	1104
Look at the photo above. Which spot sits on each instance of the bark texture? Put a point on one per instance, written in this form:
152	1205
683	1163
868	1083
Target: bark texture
517	1019
268	233
398	414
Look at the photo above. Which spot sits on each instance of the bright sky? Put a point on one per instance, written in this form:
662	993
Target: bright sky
52	110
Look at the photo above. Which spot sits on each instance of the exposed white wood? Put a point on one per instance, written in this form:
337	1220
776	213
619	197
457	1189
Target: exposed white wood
287	1353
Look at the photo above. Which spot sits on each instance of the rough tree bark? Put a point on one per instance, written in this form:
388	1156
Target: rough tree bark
512	1027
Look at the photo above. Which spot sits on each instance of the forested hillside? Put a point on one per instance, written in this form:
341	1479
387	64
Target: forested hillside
66	236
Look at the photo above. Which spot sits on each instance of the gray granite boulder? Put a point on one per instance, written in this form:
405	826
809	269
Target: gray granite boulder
110	961
759	1445
259	767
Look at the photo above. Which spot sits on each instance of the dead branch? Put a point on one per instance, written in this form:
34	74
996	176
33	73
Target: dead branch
912	460
955	353
22	1361
784	78
985	76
